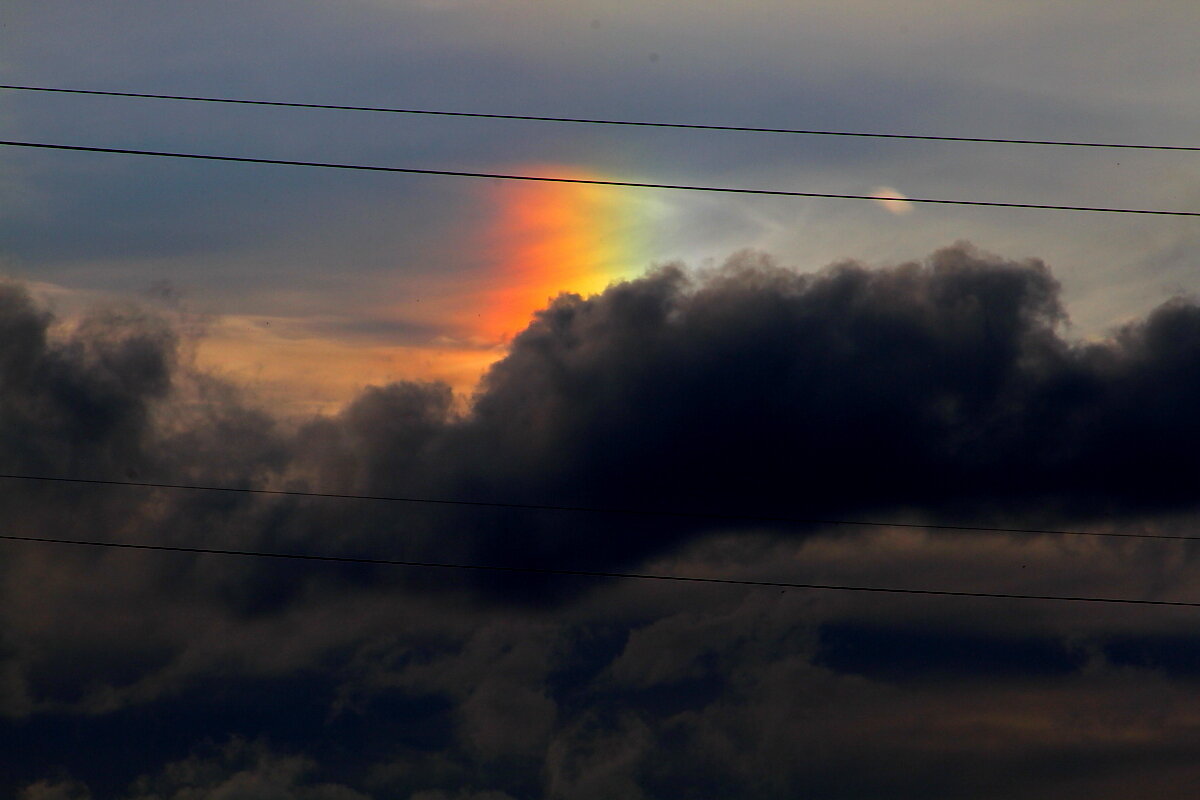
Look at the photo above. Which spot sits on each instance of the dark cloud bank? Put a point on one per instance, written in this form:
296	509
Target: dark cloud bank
943	390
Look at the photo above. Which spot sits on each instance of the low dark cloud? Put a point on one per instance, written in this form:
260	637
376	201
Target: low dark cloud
936	386
944	390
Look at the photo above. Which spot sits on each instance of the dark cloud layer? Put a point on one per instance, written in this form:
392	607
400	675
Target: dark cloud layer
936	387
930	386
944	389
940	388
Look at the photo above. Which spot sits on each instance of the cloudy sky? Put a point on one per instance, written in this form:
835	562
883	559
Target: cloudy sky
274	327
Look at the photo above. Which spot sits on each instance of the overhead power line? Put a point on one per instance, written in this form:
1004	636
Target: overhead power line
594	121
642	512
588	573
588	181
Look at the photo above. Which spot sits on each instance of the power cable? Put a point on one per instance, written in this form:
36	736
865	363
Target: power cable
593	121
587	573
589	181
671	514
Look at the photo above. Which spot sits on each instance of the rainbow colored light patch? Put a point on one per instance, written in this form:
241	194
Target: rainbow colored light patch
549	238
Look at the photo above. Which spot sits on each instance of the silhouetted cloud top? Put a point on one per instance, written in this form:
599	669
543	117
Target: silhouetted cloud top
945	389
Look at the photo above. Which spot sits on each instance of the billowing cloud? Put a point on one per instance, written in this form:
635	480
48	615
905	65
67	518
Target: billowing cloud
239	769
944	389
55	790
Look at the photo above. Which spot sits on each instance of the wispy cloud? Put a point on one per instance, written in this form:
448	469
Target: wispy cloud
892	200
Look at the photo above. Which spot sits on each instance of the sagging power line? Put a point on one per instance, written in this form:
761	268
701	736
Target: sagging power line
591	181
585	573
642	512
598	121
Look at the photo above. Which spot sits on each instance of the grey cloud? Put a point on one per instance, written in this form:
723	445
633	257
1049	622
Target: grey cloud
945	388
239	771
82	402
942	389
497	678
55	790
596	758
752	384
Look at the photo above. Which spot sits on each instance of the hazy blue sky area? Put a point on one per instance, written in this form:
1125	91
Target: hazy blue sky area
273	327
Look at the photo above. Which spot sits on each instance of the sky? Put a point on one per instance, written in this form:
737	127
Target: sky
742	359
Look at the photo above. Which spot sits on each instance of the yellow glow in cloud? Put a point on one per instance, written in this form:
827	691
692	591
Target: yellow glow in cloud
892	200
299	372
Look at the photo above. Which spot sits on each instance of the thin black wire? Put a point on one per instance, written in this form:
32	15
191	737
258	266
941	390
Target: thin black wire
589	181
699	515
593	121
588	573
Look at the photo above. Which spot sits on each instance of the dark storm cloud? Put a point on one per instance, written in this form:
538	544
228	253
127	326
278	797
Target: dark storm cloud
943	388
83	402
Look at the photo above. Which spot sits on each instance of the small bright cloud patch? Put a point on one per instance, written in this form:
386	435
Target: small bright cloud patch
892	200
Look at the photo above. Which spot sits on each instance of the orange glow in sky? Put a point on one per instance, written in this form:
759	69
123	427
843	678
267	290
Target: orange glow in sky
543	239
549	238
